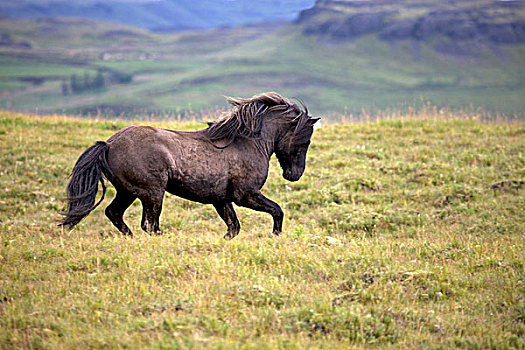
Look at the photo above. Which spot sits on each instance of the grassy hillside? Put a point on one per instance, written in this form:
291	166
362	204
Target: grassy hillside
404	233
177	73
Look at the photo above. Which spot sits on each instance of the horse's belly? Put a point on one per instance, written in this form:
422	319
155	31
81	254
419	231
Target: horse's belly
199	191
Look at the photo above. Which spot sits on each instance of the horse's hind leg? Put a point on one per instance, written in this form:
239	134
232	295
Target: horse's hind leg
227	213
151	208
115	211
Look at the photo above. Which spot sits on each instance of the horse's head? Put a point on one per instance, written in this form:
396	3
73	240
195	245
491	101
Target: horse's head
274	119
292	146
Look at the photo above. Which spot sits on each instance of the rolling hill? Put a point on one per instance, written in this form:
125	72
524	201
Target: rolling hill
177	74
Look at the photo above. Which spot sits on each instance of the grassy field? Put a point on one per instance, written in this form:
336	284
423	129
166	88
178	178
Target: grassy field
402	233
191	71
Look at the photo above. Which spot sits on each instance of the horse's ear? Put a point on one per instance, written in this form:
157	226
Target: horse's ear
312	121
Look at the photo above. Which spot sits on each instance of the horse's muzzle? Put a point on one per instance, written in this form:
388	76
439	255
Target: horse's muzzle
292	175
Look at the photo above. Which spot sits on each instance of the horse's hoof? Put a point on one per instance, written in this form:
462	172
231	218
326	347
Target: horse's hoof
227	236
155	233
277	233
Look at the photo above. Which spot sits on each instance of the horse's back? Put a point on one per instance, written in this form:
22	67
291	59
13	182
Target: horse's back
133	134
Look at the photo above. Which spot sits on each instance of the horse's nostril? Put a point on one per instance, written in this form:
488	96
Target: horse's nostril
291	175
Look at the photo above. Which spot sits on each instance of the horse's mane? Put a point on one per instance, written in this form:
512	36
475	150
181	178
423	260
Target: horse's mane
246	119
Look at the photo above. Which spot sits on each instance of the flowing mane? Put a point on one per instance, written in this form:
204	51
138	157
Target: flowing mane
246	119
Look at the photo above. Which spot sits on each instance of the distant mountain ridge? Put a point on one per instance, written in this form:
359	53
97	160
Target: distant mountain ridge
500	22
160	15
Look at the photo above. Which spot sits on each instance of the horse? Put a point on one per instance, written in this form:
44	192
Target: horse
225	163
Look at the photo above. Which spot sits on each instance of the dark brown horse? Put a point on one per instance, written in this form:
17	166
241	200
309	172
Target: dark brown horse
226	163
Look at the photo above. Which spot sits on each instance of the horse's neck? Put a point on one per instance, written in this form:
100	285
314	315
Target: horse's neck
264	148
265	144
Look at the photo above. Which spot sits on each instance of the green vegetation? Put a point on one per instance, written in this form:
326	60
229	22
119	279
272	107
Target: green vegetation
192	71
403	233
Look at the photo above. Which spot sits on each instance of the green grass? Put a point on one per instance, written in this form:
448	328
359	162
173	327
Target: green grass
393	238
40	70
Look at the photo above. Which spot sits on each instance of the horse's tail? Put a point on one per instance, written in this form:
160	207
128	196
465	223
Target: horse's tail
83	186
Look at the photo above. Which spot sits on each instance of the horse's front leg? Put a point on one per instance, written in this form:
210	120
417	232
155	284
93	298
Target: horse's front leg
227	213
256	201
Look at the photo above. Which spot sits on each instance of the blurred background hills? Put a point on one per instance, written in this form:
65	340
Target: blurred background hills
175	58
161	15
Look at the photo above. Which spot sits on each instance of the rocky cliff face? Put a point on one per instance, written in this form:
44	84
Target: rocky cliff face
501	22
